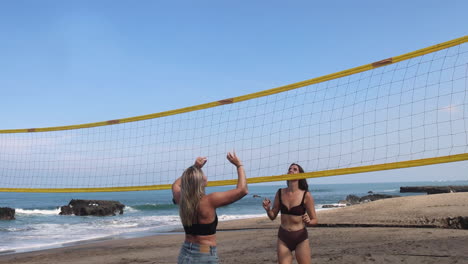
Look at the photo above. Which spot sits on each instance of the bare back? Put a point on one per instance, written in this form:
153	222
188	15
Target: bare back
206	215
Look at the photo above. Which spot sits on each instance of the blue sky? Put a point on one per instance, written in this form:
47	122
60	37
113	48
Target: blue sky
65	62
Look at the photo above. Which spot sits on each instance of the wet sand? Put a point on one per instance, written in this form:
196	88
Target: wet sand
416	229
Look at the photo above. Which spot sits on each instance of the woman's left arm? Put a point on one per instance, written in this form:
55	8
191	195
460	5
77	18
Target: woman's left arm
310	219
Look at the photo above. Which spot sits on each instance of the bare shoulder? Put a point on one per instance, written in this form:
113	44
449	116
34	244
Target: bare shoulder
309	196
205	207
278	193
205	201
213	198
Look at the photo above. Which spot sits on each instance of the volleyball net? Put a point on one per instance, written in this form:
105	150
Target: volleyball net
405	111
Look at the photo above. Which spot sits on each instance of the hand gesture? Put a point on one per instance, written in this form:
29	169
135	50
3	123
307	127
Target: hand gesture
266	204
200	161
306	219
232	157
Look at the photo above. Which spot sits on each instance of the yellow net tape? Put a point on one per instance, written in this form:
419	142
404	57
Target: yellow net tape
284	177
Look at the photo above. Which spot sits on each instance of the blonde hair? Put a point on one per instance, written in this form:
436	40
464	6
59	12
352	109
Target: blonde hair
192	190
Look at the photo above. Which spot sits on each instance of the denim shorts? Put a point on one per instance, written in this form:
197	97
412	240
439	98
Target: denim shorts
195	253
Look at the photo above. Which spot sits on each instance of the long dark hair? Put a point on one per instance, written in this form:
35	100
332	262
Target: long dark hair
303	185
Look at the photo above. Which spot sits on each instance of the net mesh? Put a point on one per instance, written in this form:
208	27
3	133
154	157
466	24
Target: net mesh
409	110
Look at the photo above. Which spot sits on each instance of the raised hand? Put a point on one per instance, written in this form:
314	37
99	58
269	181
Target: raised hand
200	162
266	204
232	157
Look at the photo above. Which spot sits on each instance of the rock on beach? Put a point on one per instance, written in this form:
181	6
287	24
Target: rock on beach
92	207
7	213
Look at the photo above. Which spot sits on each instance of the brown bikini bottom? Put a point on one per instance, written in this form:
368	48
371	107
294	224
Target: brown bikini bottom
292	238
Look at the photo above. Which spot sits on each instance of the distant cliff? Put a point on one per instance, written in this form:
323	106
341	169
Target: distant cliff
434	189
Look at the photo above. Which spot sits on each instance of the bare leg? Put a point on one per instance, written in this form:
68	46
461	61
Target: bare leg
284	254
303	252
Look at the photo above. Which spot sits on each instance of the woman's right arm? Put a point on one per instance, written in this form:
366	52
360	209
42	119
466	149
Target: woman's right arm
176	191
199	162
273	212
219	199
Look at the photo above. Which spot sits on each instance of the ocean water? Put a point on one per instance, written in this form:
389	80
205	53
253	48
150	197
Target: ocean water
38	224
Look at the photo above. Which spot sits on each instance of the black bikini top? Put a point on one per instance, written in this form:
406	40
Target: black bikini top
202	229
296	210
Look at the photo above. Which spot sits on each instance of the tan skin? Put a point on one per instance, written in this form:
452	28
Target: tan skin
209	203
292	196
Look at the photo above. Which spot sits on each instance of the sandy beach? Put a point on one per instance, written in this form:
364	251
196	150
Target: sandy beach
416	229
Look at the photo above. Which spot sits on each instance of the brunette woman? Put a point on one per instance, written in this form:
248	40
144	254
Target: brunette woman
297	208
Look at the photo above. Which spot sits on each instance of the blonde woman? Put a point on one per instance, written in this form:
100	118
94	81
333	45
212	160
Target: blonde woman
297	212
197	210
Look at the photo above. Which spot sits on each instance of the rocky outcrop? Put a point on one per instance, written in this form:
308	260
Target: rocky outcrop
7	213
434	189
338	205
375	197
459	222
92	207
354	199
